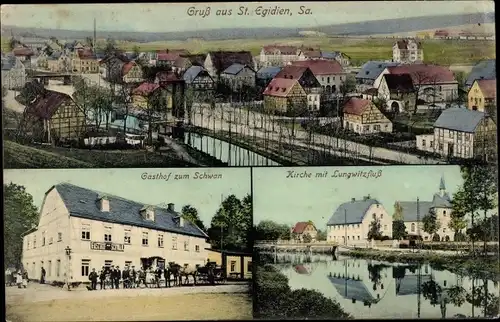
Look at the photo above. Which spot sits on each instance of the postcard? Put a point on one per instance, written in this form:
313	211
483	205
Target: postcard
128	244
350	242
248	84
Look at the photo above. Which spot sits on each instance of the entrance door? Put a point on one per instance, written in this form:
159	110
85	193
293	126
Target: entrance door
450	149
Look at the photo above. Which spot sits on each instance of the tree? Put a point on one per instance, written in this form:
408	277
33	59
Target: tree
136	51
234	220
307	238
374	232
271	230
321	235
457	221
347	86
431	223
110	48
191	213
13	42
20	214
398	226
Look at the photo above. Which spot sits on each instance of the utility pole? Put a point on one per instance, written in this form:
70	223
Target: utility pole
345	227
418	224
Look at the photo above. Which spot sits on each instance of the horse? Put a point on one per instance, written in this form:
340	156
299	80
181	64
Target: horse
173	269
188	270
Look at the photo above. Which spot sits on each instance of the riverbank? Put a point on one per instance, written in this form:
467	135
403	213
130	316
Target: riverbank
480	266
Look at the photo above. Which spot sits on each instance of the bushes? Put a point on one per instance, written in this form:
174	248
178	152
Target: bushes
275	300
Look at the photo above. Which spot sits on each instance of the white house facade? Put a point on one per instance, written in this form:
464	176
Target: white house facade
407	51
276	55
13	72
80	229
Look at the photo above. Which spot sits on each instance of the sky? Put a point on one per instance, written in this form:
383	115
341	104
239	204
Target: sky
163	17
203	194
289	200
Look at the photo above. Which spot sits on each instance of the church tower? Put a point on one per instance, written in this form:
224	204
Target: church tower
442	187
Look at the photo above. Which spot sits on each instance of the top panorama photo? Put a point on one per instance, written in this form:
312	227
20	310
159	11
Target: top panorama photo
248	84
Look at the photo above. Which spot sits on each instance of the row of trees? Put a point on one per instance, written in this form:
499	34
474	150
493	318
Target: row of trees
271	230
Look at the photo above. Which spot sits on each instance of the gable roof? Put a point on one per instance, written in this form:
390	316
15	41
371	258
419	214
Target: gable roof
411	212
351	212
321	67
168	76
300	227
268	72
330	54
352	289
192	72
280	87
443	201
357	106
373	69
22	51
488	87
284	50
310	54
405	43
127	67
196	59
485	69
47	104
223	59
85	54
400	82
292	72
82	203
235	69
423	74
459	119
145	89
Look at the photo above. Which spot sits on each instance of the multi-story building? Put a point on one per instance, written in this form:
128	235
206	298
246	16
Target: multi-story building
278	55
285	96
84	61
303	228
482	95
485	69
307	80
238	75
350	223
371	74
414	211
329	73
197	78
407	51
217	61
363	117
132	73
80	229
13	72
461	133
398	92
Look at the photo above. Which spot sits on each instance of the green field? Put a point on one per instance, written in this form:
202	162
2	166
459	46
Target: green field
444	52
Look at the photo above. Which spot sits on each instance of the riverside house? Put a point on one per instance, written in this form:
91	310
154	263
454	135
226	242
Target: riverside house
482	95
329	73
284	96
350	223
363	117
54	117
461	133
103	230
303	228
306	79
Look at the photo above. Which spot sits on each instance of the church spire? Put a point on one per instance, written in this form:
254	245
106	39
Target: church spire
442	186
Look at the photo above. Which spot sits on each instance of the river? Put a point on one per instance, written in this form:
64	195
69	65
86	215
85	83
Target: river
226	152
369	289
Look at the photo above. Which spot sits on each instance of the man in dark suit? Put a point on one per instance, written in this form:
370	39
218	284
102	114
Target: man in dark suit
102	278
93	280
125	277
118	275
158	273
133	277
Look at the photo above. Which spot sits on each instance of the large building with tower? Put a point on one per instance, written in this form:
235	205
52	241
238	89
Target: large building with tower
81	229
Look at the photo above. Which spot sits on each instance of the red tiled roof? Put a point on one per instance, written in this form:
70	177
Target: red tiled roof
300	227
145	89
284	50
47	103
127	67
423	74
181	62
312	54
356	106
321	67
488	87
22	51
167	76
279	87
291	72
442	33
223	59
85	54
168	56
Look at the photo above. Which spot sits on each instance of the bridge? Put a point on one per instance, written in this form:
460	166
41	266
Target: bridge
44	77
282	247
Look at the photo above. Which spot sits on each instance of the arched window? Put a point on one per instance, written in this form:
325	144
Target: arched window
412	227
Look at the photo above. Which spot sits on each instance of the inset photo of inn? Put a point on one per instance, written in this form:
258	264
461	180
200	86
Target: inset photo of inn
106	244
403	242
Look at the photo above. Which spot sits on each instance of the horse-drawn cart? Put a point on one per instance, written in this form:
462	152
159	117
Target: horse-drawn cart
211	274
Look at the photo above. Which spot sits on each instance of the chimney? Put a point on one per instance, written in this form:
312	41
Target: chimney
104	204
367	197
353	199
171	207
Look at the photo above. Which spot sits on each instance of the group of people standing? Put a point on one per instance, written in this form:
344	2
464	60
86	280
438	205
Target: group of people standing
112	277
16	277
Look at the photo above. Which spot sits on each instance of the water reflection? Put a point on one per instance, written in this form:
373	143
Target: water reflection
373	289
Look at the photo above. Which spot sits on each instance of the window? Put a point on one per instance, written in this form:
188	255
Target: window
348	237
374	216
145	240
59	237
108	263
423	143
49	268
358	225
385	227
126	238
174	242
450	134
28	242
431	144
128	264
51	240
34	241
107	237
328	80
85	267
412	228
86	232
58	268
233	266
358	237
441	146
43	238
381	216
160	241
197	248
444	230
186	246
249	266
376	127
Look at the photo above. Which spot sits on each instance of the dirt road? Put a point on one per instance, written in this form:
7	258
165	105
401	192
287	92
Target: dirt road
47	303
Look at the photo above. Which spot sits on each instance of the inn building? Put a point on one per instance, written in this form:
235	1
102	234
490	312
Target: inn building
80	229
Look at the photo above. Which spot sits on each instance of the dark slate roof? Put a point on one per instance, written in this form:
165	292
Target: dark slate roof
353	210
8	62
223	59
459	119
372	69
82	202
399	83
410	209
234	69
485	69
352	289
268	72
330	54
192	72
408	285
443	201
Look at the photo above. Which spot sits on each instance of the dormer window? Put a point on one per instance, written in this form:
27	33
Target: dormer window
104	204
148	213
